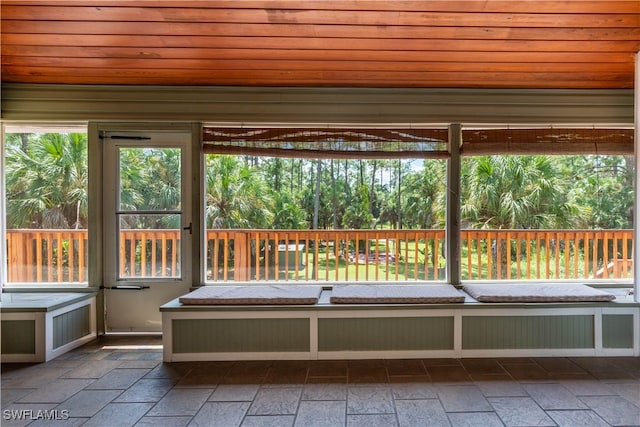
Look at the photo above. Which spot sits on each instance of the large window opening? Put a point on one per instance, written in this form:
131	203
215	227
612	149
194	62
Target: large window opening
325	205
324	219
563	212
46	182
547	217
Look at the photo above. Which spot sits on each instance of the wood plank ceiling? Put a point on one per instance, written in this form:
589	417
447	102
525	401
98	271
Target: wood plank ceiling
332	43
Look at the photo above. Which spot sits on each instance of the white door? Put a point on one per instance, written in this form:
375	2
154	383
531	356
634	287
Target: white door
147	226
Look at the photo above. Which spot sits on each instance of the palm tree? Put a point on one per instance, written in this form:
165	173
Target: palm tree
517	192
236	196
47	180
512	192
150	180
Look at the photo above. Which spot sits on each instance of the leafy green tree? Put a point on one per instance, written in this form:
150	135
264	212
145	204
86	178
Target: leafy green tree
46	180
274	170
517	192
424	202
391	201
163	178
288	214
150	180
604	186
132	180
357	214
236	197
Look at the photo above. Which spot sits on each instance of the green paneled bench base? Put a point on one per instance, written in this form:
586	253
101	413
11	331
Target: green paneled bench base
38	327
327	330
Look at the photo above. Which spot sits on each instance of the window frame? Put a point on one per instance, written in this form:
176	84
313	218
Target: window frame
42	127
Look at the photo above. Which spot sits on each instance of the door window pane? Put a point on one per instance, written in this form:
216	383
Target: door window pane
149	215
149	179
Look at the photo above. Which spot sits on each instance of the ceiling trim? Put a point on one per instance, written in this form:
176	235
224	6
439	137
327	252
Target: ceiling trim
44	102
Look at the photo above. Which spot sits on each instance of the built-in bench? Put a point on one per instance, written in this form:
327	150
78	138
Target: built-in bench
38	327
399	321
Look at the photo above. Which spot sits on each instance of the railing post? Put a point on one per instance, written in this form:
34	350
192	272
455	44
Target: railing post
16	258
241	262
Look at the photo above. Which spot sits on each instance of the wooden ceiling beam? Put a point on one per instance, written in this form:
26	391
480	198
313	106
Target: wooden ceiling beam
323	31
530	6
304	74
61	15
41	50
489	47
116	64
314	78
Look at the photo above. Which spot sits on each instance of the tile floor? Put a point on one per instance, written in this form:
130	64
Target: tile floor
121	381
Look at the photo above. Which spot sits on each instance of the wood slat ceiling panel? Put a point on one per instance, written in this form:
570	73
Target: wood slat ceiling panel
467	44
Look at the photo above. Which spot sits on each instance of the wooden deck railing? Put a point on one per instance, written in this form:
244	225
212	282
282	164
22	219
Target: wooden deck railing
46	256
43	256
349	255
547	254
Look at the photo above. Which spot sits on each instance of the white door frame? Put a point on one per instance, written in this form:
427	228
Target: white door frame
137	310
